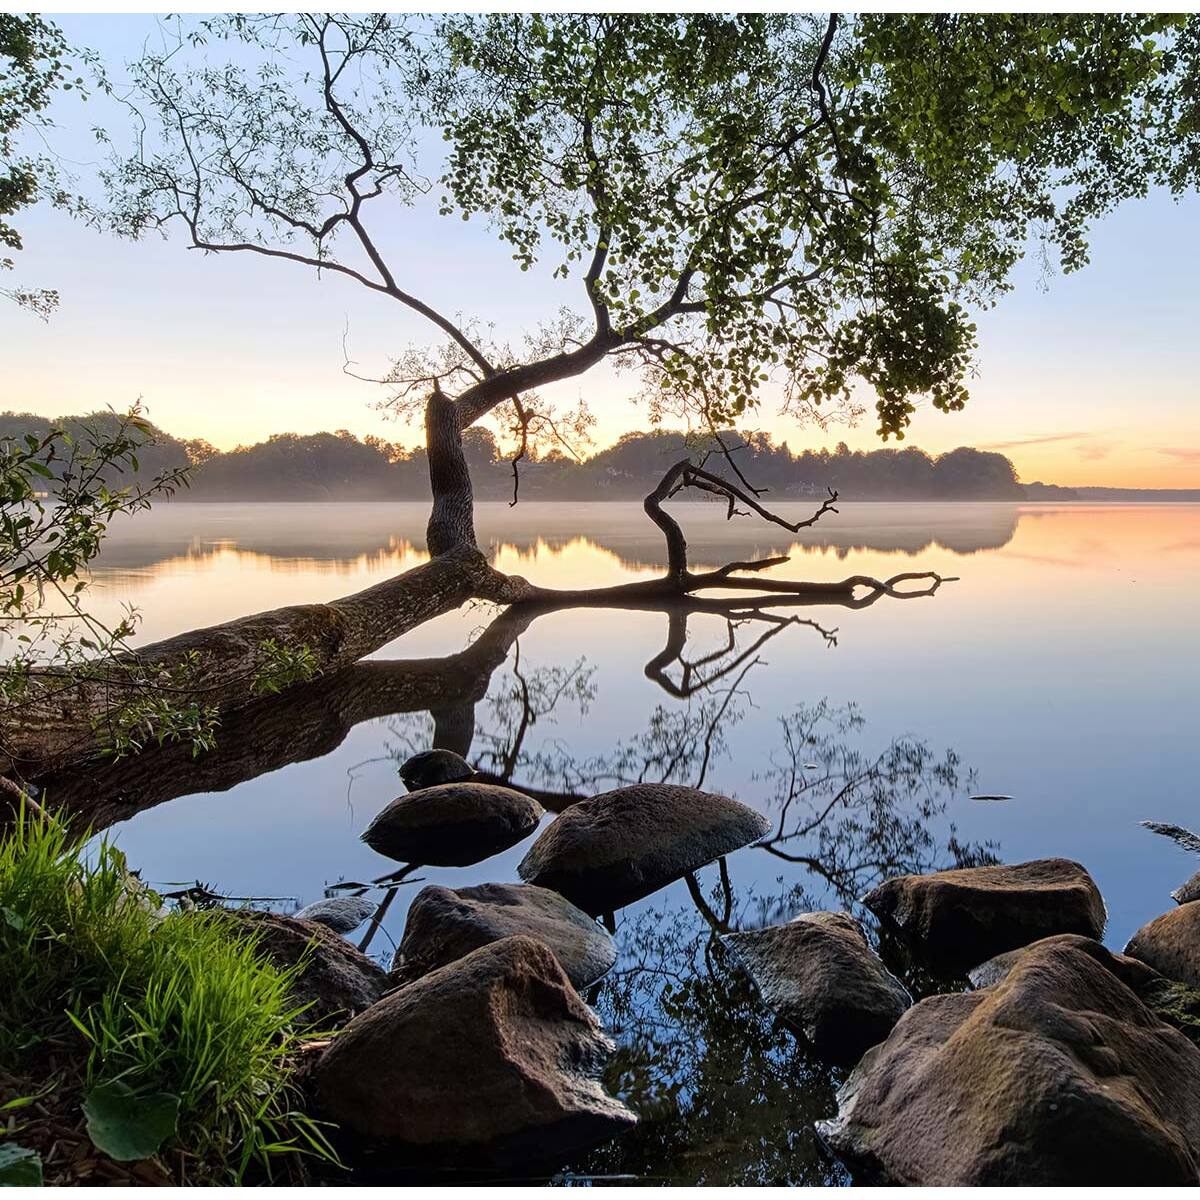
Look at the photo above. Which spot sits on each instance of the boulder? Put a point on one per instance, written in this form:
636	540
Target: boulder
1056	1075
959	918
492	1058
445	924
1171	944
610	850
343	914
1133	974
823	979
1176	1003
453	824
1185	893
337	980
432	767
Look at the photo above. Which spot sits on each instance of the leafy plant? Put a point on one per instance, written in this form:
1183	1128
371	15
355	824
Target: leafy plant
128	1126
281	666
168	1010
32	68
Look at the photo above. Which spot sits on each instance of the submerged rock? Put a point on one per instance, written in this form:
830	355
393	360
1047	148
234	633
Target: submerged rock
433	767
610	850
453	824
1171	944
492	1058
337	980
343	914
1056	1075
445	924
960	917
821	976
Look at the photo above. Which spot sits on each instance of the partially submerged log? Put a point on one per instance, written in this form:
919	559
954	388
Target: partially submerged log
223	666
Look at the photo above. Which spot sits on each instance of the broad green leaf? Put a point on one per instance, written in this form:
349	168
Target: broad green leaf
19	1166
127	1126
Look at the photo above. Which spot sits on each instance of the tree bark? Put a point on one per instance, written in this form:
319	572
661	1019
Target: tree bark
222	666
452	517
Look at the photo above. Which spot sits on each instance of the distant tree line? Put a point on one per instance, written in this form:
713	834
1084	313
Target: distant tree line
340	466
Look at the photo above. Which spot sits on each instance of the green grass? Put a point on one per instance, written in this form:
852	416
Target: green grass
181	1002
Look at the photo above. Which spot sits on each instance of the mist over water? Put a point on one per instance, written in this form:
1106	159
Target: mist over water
1056	669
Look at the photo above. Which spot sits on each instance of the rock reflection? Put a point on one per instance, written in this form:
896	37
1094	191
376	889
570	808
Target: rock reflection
724	1095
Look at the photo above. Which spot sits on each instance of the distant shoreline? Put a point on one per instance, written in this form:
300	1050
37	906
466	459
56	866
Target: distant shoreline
338	468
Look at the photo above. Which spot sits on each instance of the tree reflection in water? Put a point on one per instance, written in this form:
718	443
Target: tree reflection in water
724	1092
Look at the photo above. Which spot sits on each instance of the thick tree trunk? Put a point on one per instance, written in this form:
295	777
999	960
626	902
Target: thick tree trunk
452	518
301	724
224	666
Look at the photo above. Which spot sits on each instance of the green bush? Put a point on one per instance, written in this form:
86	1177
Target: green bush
175	1003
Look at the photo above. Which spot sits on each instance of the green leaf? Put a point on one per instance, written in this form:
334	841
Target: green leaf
126	1126
19	1167
13	919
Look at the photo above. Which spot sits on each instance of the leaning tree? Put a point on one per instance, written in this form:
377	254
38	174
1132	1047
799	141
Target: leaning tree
749	206
803	209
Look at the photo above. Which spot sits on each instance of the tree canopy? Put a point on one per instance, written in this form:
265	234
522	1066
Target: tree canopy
748	202
32	67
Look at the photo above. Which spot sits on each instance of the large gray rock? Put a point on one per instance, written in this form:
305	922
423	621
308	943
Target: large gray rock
610	850
492	1058
959	918
453	824
342	914
821	976
445	924
1056	1075
337	980
1171	944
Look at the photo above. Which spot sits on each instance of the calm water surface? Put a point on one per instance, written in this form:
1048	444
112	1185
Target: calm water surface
1059	670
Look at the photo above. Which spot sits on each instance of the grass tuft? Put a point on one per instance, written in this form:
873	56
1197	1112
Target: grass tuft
175	1002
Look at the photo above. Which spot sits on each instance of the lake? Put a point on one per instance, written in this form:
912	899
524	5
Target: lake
1057	670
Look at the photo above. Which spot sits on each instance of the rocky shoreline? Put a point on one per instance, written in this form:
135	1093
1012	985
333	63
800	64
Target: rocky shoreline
1065	1063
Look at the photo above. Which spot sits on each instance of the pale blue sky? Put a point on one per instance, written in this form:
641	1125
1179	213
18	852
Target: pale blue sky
1094	380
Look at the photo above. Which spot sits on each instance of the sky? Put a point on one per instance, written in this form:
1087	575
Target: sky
1091	378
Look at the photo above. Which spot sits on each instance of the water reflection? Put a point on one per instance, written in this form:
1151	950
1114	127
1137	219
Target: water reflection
724	1092
1011	666
347	538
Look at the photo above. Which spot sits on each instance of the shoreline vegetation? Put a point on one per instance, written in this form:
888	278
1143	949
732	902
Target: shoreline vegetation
339	467
138	1044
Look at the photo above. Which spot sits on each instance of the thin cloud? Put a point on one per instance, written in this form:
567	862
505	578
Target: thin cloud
1037	441
1093	451
1182	453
